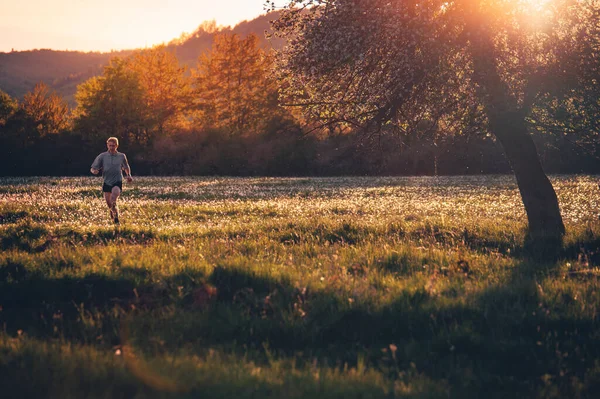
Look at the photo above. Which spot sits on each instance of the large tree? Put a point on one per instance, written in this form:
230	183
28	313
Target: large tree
376	64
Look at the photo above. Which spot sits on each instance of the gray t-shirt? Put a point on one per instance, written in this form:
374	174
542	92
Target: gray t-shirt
111	166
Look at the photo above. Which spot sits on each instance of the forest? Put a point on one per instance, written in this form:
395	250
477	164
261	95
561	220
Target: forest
225	113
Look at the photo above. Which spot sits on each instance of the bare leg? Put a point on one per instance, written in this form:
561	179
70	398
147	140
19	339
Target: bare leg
114	195
107	197
109	203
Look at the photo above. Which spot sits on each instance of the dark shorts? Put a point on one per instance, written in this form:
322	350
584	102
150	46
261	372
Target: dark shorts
108	188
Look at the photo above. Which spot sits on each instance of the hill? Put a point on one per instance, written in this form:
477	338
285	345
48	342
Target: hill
191	46
64	70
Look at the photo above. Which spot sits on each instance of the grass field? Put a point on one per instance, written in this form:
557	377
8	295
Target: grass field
295	288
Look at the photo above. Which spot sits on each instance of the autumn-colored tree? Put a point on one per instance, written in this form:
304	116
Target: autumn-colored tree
29	128
136	99
165	86
380	63
41	113
46	110
234	89
112	105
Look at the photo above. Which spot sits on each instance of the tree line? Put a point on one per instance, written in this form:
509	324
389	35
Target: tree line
228	115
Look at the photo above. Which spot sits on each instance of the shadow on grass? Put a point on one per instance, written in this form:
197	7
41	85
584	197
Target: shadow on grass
541	249
79	309
505	340
34	237
586	248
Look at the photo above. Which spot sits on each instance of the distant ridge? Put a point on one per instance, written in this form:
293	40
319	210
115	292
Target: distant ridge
20	71
189	49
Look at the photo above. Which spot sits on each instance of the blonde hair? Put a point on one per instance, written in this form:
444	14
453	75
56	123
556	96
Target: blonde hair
113	139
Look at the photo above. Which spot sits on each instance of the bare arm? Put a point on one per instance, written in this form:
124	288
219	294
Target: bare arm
126	169
127	173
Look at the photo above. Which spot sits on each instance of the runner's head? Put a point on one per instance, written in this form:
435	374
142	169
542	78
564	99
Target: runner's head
112	143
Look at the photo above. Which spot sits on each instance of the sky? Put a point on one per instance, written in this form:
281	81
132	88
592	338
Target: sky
105	25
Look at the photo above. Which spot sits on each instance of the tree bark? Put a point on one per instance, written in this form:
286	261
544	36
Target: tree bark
539	197
507	123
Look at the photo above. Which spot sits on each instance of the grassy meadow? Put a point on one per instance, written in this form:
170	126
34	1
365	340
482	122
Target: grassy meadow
295	288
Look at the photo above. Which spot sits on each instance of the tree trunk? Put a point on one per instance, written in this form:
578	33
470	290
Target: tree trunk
507	123
539	197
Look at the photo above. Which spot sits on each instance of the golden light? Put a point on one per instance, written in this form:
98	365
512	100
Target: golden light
536	5
535	13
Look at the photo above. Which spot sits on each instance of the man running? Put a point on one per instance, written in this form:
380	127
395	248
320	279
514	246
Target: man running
112	163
